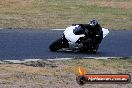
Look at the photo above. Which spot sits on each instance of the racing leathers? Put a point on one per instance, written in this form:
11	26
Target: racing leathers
93	37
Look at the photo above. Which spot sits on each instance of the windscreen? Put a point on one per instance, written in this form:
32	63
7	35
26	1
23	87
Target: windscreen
78	30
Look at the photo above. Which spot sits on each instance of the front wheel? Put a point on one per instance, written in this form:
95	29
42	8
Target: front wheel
58	44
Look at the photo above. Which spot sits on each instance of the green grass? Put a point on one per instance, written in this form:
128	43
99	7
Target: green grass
112	14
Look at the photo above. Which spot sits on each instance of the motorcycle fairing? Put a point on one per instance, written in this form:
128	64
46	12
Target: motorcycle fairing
105	32
70	36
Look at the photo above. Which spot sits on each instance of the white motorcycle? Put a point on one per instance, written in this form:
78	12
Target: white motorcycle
70	40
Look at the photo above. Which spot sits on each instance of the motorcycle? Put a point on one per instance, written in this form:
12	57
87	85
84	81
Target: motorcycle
71	40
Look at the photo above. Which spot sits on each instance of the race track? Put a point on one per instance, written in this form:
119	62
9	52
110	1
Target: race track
33	44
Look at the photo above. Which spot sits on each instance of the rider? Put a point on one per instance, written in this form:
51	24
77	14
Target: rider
93	35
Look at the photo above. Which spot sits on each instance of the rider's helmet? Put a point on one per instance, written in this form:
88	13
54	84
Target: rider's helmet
96	26
93	22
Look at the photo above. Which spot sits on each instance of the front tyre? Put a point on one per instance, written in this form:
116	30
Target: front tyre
58	44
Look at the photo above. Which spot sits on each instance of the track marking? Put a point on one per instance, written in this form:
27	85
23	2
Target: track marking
55	59
60	59
102	57
58	29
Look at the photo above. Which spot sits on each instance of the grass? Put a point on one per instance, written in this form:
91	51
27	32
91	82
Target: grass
60	74
112	14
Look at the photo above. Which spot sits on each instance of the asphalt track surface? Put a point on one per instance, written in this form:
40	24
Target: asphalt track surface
21	44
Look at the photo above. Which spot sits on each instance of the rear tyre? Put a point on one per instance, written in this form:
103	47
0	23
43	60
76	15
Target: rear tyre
58	44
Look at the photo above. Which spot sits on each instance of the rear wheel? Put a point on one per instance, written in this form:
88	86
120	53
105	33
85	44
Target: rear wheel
58	44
